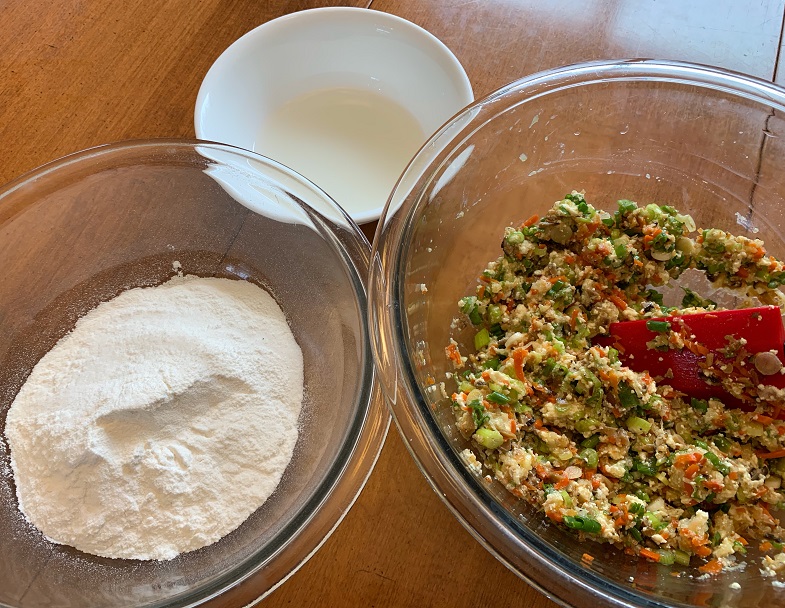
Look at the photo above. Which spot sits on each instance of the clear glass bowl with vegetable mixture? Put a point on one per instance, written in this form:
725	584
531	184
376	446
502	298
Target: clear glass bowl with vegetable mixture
704	141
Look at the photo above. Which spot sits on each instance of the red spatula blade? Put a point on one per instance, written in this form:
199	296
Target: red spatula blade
761	327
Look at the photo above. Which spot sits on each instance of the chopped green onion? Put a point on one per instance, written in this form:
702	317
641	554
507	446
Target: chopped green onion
591	442
465	387
647	468
515	238
700	405
718	464
637	508
722	443
467	304
655	522
658	326
613	355
586	425
628	397
482	339
667	557
739	548
590	456
489	438
492	363
474	316
682	557
478	413
638	425
494	313
553	292
583	523
498	398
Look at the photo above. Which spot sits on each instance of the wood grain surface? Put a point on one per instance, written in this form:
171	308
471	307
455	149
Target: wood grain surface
78	73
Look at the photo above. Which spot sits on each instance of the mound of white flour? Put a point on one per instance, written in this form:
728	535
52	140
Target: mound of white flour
161	422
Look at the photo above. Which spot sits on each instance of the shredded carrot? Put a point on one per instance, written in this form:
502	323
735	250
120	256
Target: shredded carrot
532	220
618	302
742	272
699	541
587	558
766	546
454	354
703	551
733	475
691	471
774	454
555	516
574	318
562	483
682	460
743	541
649	554
538	423
696	347
518	357
712	567
763	419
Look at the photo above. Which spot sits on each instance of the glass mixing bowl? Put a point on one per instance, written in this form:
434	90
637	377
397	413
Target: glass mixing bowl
82	229
706	141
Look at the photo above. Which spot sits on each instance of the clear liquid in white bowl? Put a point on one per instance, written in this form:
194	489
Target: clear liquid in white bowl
352	143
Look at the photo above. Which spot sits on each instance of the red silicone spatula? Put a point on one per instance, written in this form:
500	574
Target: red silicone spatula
706	345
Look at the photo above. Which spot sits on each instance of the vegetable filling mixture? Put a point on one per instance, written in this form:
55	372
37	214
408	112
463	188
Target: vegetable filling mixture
617	455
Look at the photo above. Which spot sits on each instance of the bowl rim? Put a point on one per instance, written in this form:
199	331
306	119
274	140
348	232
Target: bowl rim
246	45
546	568
356	458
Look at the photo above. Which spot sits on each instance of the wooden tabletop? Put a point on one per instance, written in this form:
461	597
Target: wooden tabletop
77	73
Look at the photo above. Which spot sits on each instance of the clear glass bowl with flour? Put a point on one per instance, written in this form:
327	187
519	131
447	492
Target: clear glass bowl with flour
92	226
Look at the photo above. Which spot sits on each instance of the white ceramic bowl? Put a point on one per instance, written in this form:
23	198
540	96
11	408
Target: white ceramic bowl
344	96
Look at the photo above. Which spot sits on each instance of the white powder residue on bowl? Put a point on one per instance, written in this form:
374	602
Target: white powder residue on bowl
161	422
